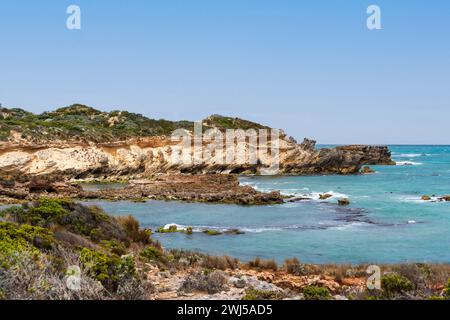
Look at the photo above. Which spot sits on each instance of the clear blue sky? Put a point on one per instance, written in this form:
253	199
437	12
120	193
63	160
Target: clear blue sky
310	67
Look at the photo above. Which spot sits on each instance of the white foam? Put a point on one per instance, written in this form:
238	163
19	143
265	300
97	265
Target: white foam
408	163
410	155
179	226
334	195
299	192
412	221
314	196
416	199
349	226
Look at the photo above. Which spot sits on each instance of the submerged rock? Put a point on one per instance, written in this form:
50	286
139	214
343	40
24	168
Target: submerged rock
212	232
343	202
234	231
425	198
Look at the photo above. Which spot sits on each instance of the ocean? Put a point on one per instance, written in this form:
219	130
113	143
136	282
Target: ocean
386	221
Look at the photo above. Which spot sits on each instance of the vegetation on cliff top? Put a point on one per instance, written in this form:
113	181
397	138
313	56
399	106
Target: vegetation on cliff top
79	122
83	123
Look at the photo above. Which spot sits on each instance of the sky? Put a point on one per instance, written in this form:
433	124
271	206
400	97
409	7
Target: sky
312	68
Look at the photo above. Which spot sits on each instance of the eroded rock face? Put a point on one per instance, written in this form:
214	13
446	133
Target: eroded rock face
137	158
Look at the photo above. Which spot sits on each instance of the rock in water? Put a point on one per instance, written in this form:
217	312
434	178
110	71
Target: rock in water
367	170
343	202
325	196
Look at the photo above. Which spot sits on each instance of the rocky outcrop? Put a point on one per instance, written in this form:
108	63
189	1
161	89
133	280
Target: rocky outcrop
143	148
372	155
140	158
306	159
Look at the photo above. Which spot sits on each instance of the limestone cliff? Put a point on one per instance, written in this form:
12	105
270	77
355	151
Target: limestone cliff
48	145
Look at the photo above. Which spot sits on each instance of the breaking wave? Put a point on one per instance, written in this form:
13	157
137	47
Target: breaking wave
408	163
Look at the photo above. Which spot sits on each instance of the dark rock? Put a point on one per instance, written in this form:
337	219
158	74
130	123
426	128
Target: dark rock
343	202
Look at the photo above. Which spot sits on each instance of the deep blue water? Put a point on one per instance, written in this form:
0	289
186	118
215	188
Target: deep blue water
385	222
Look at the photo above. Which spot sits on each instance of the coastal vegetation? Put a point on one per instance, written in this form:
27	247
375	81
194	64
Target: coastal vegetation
83	123
48	244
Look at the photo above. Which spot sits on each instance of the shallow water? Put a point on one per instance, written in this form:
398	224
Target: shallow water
386	221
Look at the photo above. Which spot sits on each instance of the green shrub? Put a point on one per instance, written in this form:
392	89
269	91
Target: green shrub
93	222
39	213
151	254
49	209
109	270
254	294
393	284
316	293
15	239
447	290
114	246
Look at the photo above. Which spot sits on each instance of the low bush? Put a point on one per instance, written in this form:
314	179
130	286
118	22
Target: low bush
39	213
151	254
394	284
447	290
110	270
133	230
50	209
254	294
14	239
294	267
210	282
316	293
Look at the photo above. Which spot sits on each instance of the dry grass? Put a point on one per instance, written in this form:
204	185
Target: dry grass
133	231
261	264
220	262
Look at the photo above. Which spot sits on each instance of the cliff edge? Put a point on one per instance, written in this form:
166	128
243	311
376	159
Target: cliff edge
79	142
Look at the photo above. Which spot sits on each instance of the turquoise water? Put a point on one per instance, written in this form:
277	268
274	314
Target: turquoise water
385	222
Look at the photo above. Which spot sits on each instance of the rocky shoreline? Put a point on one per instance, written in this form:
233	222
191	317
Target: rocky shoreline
44	155
215	188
